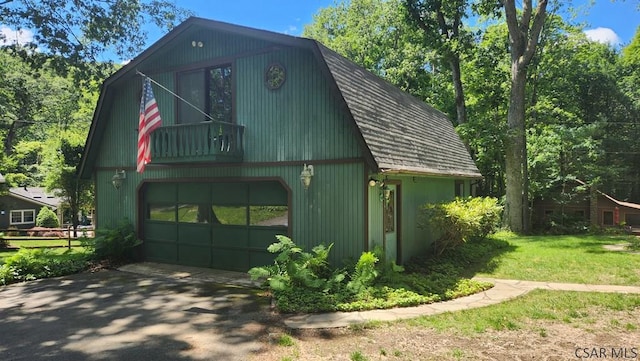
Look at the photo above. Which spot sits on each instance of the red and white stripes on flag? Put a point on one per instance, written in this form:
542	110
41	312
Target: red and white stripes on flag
149	121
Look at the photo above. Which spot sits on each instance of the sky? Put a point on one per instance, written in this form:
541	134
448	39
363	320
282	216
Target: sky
613	22
609	21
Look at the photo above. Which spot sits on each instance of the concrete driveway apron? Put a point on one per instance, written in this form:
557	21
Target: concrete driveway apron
113	315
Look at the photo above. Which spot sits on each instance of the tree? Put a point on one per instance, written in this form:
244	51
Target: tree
486	79
62	179
76	33
47	218
525	27
444	32
376	35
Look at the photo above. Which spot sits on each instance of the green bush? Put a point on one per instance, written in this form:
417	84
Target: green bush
293	268
304	282
461	220
47	218
27	265
113	244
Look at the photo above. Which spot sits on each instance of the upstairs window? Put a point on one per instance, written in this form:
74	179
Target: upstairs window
210	90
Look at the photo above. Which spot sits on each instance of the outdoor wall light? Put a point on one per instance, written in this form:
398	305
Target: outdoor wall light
386	193
305	176
117	178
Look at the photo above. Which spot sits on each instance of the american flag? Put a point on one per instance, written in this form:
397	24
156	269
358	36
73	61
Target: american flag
149	121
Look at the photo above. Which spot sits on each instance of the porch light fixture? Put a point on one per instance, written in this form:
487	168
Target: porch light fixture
305	176
386	193
117	178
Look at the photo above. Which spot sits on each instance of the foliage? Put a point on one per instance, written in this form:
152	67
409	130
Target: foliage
460	220
634	244
376	35
442	25
47	218
27	265
62	179
294	268
298	285
3	241
114	244
77	33
365	272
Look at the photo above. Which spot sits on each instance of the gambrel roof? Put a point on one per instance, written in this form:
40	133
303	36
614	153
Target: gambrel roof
398	132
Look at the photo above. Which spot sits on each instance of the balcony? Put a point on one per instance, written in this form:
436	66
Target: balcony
198	142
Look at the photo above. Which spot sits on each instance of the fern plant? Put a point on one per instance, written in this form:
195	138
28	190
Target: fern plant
294	268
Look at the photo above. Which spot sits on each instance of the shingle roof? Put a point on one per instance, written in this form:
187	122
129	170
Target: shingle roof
36	195
403	133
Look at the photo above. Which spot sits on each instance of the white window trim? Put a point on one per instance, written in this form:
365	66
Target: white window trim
22	212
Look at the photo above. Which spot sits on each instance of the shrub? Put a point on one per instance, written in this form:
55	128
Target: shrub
293	268
461	220
113	244
304	282
3	242
27	265
47	218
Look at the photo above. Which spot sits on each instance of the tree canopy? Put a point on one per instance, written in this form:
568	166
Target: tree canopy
78	34
576	105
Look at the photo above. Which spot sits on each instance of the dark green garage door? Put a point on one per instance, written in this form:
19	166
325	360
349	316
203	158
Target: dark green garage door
218	225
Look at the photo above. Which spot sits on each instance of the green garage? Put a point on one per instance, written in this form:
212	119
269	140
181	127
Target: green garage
223	225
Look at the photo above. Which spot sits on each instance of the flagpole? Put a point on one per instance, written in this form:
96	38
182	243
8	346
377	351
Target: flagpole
175	95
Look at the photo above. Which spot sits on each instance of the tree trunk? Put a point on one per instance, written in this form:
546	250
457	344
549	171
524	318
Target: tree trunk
515	152
523	38
456	76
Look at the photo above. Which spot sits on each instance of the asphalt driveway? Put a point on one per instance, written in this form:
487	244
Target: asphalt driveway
114	315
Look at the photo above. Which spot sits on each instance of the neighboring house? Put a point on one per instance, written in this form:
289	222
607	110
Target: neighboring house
19	207
218	191
576	201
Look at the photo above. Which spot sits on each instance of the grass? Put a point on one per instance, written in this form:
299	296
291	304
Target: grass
43	243
571	259
574	308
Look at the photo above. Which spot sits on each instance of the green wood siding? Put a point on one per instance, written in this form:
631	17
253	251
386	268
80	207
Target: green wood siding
330	211
415	192
302	122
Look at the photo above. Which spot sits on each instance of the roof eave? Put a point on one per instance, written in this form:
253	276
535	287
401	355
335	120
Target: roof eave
415	171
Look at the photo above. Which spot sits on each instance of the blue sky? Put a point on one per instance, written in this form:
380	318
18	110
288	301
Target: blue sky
605	19
609	21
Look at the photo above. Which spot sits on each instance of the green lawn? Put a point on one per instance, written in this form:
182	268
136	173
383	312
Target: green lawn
43	243
578	309
574	259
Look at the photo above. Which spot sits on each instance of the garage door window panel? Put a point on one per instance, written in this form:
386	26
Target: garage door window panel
161	212
230	215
